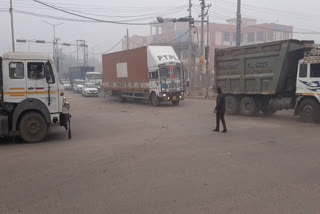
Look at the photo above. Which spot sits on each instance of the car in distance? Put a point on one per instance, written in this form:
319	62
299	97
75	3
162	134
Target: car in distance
90	89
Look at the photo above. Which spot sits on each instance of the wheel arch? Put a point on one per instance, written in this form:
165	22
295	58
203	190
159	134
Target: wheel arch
26	106
301	100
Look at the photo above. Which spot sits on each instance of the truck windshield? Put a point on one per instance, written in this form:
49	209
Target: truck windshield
79	82
94	76
168	71
90	85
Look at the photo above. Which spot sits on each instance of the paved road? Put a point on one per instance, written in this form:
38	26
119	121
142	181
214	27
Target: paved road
135	158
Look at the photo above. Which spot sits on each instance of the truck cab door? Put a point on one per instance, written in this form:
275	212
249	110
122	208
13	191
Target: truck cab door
14	81
42	84
303	79
314	83
154	82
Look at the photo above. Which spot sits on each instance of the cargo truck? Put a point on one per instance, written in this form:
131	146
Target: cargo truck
269	77
95	78
31	96
79	73
152	73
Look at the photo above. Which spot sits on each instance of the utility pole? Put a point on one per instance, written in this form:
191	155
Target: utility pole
203	6
238	41
93	60
84	53
12	28
203	15
128	40
190	48
54	44
77	51
207	57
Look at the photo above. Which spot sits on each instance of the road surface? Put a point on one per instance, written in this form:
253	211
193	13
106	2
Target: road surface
135	158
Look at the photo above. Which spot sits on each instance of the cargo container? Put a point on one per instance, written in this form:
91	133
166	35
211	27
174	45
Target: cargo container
269	77
152	73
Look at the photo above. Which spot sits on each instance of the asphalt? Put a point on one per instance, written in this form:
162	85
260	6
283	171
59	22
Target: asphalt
136	158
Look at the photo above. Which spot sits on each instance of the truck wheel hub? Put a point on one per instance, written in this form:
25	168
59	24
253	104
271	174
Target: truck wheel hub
308	110
34	127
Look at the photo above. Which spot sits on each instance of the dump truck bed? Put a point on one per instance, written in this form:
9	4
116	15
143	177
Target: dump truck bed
268	68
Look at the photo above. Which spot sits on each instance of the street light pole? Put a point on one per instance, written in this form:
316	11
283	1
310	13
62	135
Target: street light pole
190	48
238	41
54	44
12	28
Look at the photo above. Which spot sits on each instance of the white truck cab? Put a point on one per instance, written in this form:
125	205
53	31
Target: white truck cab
308	86
95	78
32	96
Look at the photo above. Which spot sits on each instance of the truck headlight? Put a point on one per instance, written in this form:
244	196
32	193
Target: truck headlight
164	95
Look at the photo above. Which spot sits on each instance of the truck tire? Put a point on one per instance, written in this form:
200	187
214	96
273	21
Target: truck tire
232	105
248	107
33	128
175	102
309	111
155	101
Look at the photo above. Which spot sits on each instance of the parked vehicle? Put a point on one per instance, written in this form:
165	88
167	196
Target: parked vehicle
31	97
152	73
95	78
79	72
269	77
90	89
66	85
77	85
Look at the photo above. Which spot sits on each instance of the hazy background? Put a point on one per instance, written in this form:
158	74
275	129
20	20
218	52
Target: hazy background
303	15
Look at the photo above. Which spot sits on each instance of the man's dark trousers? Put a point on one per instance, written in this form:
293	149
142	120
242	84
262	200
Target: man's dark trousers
220	116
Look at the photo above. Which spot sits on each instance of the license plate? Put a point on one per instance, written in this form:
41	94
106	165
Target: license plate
174	98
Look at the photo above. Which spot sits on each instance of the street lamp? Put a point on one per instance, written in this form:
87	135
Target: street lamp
54	37
174	20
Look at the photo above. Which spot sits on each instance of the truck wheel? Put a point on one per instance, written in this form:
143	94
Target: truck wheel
309	111
33	128
248	107
175	102
155	100
232	105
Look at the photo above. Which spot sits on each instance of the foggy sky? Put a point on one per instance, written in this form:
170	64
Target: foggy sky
102	36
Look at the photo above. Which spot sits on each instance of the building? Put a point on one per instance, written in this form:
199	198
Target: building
221	35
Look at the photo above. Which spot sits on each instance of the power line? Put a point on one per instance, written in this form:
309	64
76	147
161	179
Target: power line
112	47
179	36
111	8
87	17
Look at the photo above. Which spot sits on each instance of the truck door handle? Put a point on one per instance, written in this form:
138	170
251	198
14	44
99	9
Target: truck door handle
30	88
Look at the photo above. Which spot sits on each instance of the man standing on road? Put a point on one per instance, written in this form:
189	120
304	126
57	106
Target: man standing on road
220	111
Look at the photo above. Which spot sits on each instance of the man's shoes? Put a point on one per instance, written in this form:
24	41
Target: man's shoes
225	130
215	130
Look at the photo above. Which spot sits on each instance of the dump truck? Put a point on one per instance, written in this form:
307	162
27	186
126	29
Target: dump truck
79	72
151	73
31	97
269	77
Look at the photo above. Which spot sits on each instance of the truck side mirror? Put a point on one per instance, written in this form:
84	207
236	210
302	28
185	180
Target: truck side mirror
48	73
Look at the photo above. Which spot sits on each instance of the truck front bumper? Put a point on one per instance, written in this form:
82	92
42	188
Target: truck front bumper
172	96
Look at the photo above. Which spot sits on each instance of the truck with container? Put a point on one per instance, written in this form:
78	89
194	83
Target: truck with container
269	77
151	73
31	97
95	78
79	73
